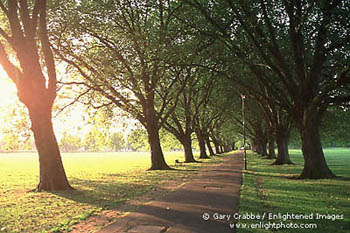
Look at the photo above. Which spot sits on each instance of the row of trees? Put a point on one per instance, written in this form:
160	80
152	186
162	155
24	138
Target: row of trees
181	66
291	57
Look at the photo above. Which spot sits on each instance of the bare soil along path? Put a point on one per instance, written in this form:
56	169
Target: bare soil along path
213	193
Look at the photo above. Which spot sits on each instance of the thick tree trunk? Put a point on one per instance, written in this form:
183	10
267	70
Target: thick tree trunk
201	142
272	154
157	156
210	148
216	144
233	146
264	148
282	134
52	174
217	148
221	149
261	147
254	147
187	144
283	153
315	165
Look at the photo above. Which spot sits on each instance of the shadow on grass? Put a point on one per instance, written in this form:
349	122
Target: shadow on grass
113	189
273	175
105	195
345	178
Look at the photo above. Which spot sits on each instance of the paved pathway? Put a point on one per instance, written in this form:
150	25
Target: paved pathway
213	190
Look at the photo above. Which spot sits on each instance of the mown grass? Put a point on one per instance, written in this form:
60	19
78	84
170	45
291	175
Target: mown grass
274	189
102	181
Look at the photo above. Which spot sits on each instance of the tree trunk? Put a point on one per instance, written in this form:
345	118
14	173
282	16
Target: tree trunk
261	147
157	156
36	90
315	165
282	138
272	154
233	146
210	148
216	144
217	148
201	141
227	148
52	174
222	149
264	148
187	144
254	147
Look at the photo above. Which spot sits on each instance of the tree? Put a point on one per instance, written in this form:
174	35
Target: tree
279	126
192	99
335	127
15	128
99	136
299	51
24	36
119	49
137	140
117	141
69	143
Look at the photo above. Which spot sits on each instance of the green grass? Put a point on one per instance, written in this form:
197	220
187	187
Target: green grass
273	189
102	181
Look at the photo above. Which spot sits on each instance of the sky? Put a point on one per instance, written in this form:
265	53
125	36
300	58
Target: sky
73	119
8	97
8	92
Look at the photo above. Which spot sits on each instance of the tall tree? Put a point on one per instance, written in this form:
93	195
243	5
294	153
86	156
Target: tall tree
181	122
119	49
299	51
24	37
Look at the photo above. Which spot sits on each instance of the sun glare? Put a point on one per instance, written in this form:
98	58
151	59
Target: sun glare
7	89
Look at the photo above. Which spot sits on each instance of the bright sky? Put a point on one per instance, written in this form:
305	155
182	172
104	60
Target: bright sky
71	121
8	92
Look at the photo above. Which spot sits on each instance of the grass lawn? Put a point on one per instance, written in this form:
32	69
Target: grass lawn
271	189
102	181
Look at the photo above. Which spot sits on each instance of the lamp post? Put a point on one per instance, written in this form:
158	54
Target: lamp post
244	141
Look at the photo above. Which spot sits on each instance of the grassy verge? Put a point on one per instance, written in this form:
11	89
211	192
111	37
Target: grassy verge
102	181
272	189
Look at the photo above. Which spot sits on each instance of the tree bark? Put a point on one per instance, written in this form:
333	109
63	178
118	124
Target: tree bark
217	148
34	89
201	142
233	146
260	141
283	153
157	156
264	148
216	144
222	149
210	148
52	174
282	134
272	154
254	146
315	165
187	144
261	147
